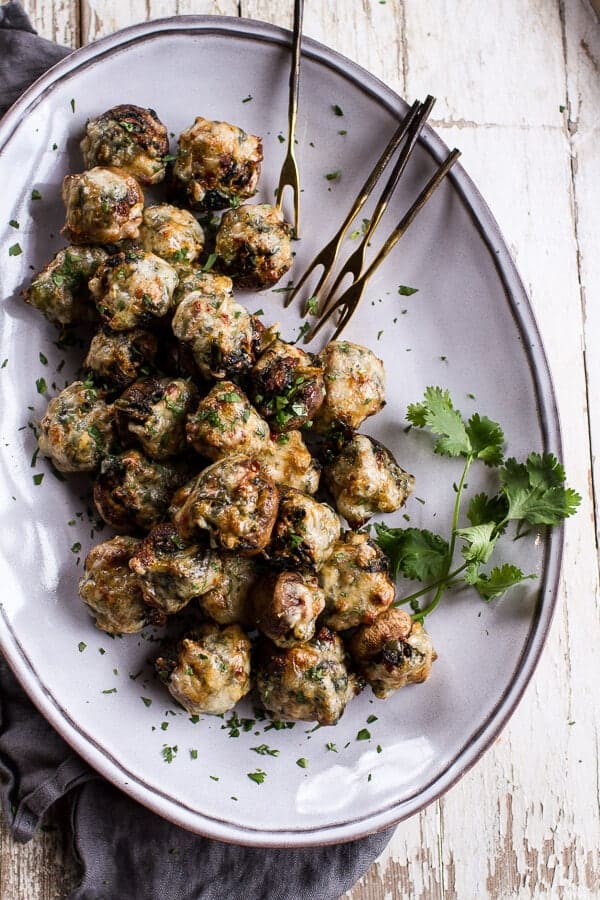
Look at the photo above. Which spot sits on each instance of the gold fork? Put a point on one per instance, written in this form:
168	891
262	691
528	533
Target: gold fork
328	255
355	262
290	176
349	300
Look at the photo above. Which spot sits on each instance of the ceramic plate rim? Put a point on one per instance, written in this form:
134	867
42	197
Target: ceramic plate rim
523	315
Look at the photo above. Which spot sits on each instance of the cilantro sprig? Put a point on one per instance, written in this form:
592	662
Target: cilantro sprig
531	492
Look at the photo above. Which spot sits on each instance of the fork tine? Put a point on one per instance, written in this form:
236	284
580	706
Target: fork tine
289	171
354	264
350	299
327	256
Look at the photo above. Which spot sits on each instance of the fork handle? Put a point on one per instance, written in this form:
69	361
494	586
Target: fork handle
295	70
433	183
289	163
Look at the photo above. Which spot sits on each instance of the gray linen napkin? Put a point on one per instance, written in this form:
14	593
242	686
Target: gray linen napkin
126	852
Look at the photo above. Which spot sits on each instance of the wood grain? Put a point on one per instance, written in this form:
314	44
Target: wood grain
58	21
525	822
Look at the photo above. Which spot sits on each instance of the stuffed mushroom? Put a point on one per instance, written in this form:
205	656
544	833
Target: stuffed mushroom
392	652
112	591
103	206
132	289
286	607
171	571
365	479
152	412
287	386
305	532
287	460
355	582
173	234
132	493
234	501
130	138
77	430
225	339
118	358
354	387
60	291
225	422
310	682
217	165
211	670
230	600
253	245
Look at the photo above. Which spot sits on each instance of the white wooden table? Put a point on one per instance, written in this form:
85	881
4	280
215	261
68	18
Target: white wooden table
518	88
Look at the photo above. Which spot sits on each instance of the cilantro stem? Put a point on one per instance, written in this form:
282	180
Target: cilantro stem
455	517
444	579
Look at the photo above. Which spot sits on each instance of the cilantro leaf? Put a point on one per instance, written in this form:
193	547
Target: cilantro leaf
479	542
482	509
415	552
500	579
437	413
535	490
487	439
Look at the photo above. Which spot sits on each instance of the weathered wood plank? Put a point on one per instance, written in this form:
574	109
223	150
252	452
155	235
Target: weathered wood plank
57	21
101	17
370	33
581	32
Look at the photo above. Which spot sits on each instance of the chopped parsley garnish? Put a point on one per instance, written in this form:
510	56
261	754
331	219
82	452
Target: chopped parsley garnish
210	262
37	479
337	110
257	777
331	746
81	646
363	735
371	719
406	291
76	547
265	750
302	331
333	176
169	753
35	194
146	701
302	762
15	250
311	306
13	223
193	753
43	359
110	691
72	104
41	386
